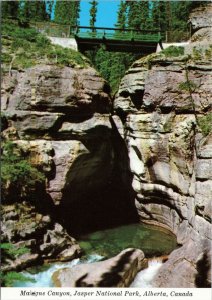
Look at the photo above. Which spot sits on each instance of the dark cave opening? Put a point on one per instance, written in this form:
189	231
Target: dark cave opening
98	193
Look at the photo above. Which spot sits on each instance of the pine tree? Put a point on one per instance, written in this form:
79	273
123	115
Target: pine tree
93	13
144	15
67	12
49	8
139	14
122	16
159	15
24	13
133	14
32	11
10	9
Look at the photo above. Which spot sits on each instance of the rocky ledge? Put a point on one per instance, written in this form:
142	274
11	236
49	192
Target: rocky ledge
46	240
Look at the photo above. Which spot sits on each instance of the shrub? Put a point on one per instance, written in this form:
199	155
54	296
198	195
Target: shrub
205	124
173	51
25	47
187	86
17	175
9	251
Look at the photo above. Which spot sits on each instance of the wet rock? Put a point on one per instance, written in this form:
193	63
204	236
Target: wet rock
43	238
190	261
20	263
118	271
58	244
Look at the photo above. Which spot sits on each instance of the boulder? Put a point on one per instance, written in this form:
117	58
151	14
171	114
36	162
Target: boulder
118	271
187	267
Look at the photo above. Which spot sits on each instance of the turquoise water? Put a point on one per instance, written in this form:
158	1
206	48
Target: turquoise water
107	243
104	244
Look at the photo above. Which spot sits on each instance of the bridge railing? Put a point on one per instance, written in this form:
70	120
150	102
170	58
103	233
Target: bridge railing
53	29
59	30
117	34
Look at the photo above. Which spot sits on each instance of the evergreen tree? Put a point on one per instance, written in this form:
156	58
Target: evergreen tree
159	15
139	14
134	20
24	13
122	16
10	9
93	13
145	15
49	8
67	12
32	11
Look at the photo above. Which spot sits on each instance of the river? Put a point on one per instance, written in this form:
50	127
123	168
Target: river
107	243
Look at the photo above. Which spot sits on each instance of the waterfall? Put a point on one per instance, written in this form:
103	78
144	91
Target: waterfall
144	278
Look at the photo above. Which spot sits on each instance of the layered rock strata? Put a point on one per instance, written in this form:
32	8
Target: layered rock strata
24	227
162	103
58	117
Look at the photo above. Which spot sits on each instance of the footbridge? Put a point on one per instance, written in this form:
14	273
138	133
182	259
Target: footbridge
124	40
87	38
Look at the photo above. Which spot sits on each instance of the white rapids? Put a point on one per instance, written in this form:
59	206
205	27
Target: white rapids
43	278
144	278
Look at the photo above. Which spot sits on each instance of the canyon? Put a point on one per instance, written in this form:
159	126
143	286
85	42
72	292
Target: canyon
140	157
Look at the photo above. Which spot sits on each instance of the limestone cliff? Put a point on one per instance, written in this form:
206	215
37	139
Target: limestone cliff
59	118
162	102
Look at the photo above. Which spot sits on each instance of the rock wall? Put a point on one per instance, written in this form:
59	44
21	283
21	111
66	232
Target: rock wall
161	103
60	119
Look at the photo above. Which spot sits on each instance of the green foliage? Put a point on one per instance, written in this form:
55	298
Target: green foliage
208	53
65	56
18	177
170	16
10	251
13	31
25	47
188	86
205	124
173	51
67	12
122	16
111	65
10	9
196	54
32	11
8	279
93	12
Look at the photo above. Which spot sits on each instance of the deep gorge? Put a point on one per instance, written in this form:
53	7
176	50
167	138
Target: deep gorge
142	157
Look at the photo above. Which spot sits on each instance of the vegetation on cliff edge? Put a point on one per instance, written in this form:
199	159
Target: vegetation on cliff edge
18	176
11	252
25	47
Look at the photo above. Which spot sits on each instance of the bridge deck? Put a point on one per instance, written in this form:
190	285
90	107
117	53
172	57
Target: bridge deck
127	40
87	38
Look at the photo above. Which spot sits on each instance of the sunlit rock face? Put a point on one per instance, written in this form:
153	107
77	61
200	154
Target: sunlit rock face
201	23
60	119
161	102
118	271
